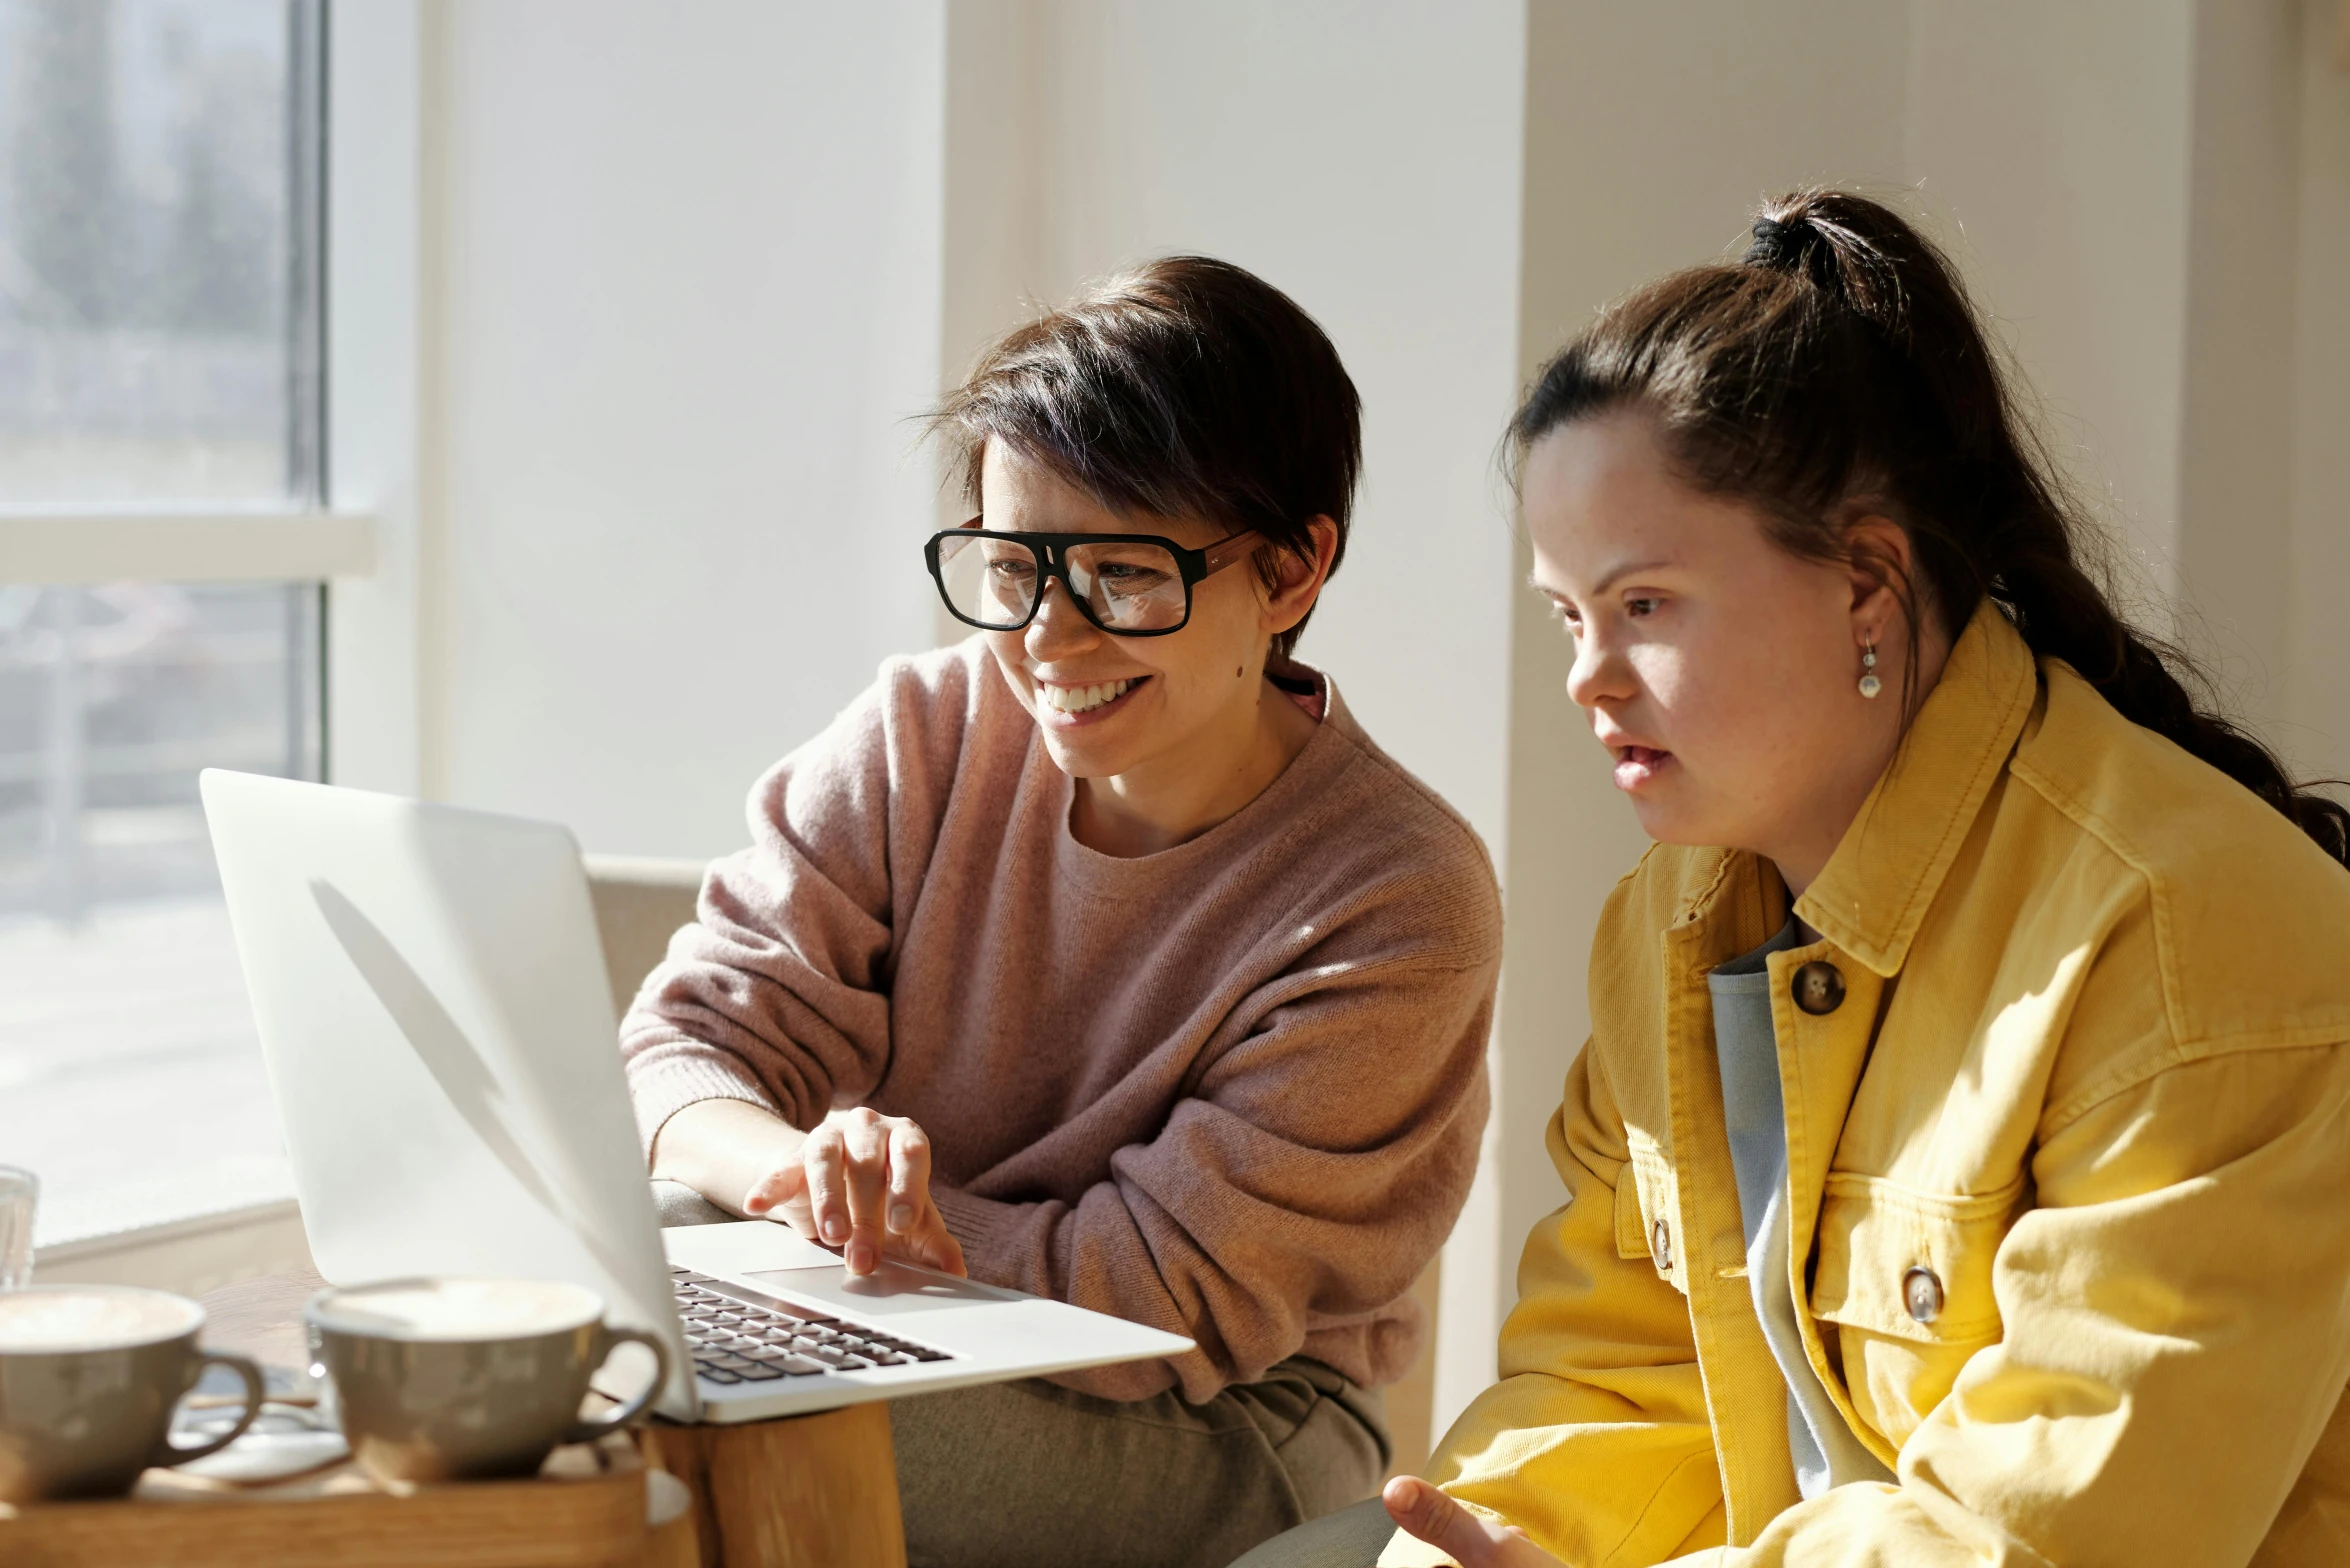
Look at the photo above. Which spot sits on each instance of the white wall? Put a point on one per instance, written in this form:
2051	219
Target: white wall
2142	190
2052	144
2236	429
1363	158
676	510
2317	695
374	355
690	268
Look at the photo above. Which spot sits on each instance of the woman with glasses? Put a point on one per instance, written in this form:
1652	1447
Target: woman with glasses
1104	954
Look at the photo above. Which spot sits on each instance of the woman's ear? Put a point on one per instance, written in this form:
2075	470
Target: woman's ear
1298	578
1879	560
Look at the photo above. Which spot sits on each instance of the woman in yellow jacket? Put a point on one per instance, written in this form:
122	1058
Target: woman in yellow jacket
1959	1167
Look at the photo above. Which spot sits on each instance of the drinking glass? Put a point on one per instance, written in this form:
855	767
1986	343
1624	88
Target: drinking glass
18	1192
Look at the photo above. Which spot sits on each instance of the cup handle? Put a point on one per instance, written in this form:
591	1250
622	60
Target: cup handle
614	1420
166	1454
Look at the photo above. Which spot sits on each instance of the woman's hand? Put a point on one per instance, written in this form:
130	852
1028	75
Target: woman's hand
861	1182
1469	1539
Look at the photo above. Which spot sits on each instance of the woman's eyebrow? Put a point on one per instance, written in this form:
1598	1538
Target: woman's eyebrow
1628	569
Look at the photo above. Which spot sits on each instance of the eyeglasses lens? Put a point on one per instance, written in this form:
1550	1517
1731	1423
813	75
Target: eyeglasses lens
990	581
1126	587
1129	587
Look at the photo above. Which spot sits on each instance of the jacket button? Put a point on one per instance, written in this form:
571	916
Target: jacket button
1819	987
1660	1242
1921	1292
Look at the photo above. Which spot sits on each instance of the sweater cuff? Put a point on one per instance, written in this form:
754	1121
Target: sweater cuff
659	1090
983	1227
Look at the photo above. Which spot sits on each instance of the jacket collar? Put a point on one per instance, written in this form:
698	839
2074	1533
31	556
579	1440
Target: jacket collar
1876	888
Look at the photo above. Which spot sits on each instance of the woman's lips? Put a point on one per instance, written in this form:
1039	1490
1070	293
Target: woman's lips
1638	766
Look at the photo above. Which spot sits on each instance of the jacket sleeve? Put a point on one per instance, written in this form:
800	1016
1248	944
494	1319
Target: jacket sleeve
1305	1182
1596	1440
2175	1340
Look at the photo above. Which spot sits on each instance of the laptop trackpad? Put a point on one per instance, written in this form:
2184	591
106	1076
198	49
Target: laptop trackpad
888	1290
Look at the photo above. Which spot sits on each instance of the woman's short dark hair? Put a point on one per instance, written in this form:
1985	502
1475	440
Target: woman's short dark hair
1184	388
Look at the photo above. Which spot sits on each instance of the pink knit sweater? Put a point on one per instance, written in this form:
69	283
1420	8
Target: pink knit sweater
1233	1089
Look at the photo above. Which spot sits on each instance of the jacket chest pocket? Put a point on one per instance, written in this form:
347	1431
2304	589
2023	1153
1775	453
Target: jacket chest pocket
1648	1206
1905	1277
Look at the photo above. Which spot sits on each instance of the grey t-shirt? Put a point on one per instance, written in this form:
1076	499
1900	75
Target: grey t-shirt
1747	1044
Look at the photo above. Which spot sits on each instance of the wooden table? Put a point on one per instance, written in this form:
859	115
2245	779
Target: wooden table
814	1490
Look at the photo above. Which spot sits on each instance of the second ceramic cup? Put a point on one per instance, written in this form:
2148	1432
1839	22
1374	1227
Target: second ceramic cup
445	1379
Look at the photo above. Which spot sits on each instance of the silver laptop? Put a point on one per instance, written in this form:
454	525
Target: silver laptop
432	1004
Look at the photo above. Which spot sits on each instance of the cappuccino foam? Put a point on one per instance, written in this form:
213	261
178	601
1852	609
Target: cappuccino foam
91	1317
458	1309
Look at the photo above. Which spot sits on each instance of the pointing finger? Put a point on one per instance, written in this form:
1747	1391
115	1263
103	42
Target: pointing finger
821	1159
865	1170
909	1176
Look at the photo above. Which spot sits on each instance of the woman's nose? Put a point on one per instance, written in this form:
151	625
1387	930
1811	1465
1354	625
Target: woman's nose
1598	673
1060	629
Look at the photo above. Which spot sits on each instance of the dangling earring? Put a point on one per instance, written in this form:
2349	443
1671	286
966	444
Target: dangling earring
1869	684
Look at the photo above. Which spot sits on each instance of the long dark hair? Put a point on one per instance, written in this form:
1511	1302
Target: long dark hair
1839	370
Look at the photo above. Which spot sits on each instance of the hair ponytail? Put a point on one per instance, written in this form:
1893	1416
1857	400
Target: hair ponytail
1840	364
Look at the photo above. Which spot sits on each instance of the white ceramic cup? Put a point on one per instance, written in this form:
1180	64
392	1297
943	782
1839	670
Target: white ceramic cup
89	1377
438	1379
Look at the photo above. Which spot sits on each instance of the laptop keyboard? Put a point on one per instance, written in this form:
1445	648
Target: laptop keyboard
738	1335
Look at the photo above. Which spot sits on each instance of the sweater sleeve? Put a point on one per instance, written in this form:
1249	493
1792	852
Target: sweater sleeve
778	992
1306	1182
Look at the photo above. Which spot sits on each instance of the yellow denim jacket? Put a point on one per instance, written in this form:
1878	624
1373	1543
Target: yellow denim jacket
2069	1171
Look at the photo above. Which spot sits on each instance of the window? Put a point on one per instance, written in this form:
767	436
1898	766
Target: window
160	330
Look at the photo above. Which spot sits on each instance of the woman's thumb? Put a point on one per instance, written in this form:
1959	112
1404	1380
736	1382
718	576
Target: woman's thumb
776	1187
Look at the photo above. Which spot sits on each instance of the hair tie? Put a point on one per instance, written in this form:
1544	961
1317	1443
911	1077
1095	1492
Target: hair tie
1778	244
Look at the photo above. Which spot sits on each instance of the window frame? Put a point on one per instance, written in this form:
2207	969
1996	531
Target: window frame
361	537
302	540
54	545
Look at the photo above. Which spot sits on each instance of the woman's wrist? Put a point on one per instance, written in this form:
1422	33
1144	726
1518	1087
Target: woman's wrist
722	1148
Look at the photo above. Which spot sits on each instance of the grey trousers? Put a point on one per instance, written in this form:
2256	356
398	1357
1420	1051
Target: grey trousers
1032	1474
1353	1537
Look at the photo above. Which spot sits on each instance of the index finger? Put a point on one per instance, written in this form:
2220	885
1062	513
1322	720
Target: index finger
909	1176
821	1158
868	1151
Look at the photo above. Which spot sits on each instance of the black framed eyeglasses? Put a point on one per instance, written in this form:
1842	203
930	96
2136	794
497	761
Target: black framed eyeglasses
1129	585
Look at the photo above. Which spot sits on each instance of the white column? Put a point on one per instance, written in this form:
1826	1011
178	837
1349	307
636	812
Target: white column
374	251
2317	597
691	262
